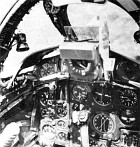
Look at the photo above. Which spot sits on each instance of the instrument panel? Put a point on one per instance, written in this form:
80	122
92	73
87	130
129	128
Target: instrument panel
110	107
104	99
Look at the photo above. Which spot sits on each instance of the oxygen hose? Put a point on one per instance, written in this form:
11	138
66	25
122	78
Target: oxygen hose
9	134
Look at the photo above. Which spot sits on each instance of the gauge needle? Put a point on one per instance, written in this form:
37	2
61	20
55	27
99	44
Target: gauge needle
44	67
102	123
102	94
99	93
79	96
107	95
82	65
80	88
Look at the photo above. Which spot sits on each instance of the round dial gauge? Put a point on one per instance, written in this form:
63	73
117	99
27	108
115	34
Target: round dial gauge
80	92
127	70
128	97
82	67
61	124
44	98
61	109
102	95
43	112
48	131
50	112
44	69
47	69
127	117
103	123
62	136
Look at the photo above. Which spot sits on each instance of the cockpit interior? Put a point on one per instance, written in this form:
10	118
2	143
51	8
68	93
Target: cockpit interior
79	86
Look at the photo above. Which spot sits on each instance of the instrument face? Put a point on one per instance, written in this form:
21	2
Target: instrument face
47	67
103	123
128	98
81	67
62	136
61	109
127	70
102	95
44	98
61	124
80	92
128	117
49	131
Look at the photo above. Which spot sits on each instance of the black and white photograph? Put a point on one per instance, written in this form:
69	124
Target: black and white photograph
69	73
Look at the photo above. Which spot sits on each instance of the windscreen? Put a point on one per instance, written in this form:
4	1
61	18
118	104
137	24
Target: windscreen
121	25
